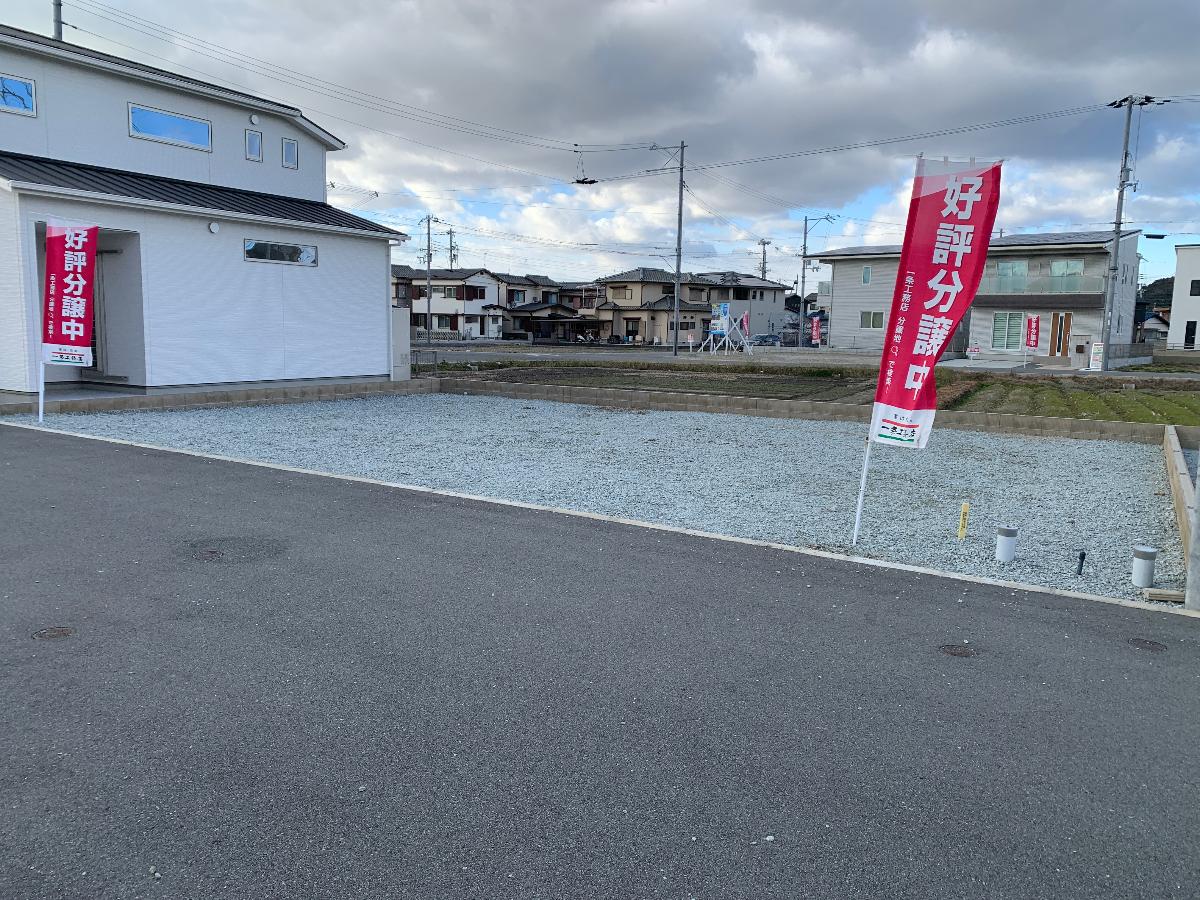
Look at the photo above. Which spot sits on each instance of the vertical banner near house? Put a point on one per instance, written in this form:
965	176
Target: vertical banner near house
1033	332
946	241
67	300
814	333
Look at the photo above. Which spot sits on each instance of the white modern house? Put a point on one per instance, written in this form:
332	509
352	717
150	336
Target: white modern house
762	298
219	258
1059	277
1185	298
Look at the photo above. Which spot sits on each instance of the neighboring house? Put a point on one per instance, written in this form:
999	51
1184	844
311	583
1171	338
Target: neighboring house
581	295
763	299
1059	277
639	306
1185	299
1156	327
464	302
219	259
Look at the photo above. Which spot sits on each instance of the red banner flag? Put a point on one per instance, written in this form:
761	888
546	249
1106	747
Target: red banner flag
1033	332
67	306
950	220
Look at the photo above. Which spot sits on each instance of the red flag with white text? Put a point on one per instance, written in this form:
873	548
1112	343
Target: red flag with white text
68	295
950	220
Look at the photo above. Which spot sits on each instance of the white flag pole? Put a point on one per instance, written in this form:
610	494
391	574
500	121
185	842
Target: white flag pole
862	492
41	388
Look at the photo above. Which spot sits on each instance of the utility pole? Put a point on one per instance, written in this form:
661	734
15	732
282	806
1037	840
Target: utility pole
1110	293
428	280
762	269
804	278
453	251
678	260
58	22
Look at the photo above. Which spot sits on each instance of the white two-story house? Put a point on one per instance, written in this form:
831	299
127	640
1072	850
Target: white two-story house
219	258
1059	277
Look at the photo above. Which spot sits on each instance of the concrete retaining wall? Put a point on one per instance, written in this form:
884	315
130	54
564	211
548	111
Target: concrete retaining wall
189	399
1183	490
803	409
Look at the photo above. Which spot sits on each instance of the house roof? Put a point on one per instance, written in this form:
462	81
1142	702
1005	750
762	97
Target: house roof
37	171
740	279
403	271
542	280
526	308
1048	239
512	279
39	43
654	276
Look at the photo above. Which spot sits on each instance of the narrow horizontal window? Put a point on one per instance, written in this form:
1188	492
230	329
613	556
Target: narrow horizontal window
151	124
253	145
17	95
291	154
292	254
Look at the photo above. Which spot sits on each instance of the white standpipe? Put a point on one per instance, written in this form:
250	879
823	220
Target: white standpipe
1006	544
1143	565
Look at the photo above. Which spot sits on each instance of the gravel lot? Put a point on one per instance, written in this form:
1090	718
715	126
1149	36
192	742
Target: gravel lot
781	480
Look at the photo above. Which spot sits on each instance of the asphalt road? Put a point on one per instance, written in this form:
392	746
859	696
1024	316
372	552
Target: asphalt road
283	685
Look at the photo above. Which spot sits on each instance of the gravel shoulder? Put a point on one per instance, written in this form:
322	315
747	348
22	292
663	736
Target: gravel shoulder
788	481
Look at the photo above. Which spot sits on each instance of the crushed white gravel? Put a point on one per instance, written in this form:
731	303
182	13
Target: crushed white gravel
788	481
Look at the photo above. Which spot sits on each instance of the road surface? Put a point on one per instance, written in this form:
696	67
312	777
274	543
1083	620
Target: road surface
283	685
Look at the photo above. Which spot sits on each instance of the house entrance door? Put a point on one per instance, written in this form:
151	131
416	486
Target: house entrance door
1060	334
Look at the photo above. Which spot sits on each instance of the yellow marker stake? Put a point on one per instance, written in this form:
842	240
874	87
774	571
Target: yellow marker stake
962	520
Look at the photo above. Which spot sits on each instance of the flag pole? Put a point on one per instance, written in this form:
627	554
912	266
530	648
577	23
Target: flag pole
862	492
41	387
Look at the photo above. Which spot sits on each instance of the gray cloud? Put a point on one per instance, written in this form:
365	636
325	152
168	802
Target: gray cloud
734	80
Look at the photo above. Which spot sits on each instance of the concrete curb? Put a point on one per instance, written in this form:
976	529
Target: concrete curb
1183	491
805	551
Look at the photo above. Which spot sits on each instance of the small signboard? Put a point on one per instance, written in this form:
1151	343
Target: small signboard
1033	331
1096	361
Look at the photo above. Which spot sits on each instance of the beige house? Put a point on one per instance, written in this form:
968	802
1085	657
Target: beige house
638	307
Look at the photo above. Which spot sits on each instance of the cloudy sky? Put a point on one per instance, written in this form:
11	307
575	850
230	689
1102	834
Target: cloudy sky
471	109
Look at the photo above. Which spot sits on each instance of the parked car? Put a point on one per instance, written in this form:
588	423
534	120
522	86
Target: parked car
765	340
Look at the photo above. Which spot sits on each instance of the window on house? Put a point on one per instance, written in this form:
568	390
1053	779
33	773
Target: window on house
253	145
476	292
150	124
292	254
17	95
291	154
620	292
441	322
870	319
1061	267
1194	291
866	274
1008	330
516	298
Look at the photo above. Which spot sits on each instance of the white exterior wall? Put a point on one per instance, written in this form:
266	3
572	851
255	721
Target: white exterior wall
210	316
1184	306
14	334
83	116
767	315
850	298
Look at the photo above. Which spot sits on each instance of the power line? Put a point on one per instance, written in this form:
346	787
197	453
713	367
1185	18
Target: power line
479	159
345	93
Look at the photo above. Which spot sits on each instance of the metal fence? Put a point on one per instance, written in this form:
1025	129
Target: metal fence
424	362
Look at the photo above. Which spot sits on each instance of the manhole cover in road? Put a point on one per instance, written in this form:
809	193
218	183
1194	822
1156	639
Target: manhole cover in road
52	633
1145	644
959	650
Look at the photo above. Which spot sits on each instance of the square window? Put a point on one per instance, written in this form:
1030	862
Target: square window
291	154
17	95
1195	288
253	145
